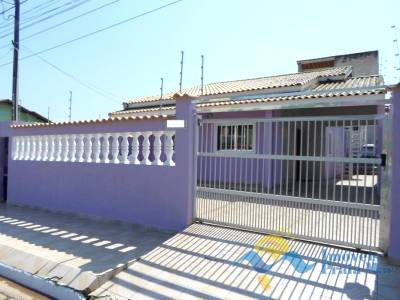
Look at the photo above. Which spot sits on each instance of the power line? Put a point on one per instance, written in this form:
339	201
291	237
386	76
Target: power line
5	34
97	31
105	94
65	22
10	8
35	8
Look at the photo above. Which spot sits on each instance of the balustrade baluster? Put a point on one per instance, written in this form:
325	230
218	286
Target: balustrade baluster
115	148
105	149
38	155
125	148
169	148
88	148
58	147
65	148
22	148
96	148
25	149
79	148
51	148
157	148
30	148
146	148
45	148
72	148
18	144
135	149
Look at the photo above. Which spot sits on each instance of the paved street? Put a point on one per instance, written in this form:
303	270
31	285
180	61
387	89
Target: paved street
204	262
77	252
10	290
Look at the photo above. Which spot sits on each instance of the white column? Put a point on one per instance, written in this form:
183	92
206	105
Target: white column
21	148
96	148
115	148
157	148
169	148
88	148
146	148
17	153
72	148
18	147
133	158
51	147
58	147
65	148
38	155
45	148
105	149
25	147
79	147
30	148
125	148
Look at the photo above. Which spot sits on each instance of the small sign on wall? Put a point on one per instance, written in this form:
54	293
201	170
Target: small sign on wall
175	123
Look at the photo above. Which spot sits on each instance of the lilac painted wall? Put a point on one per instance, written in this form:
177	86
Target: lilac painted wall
394	244
159	196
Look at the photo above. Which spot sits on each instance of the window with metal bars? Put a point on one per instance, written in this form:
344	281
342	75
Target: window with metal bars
235	137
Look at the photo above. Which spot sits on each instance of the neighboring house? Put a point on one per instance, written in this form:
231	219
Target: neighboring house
25	115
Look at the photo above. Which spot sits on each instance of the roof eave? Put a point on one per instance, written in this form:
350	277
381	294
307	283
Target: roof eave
334	101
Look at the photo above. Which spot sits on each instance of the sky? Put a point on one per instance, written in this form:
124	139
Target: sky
239	39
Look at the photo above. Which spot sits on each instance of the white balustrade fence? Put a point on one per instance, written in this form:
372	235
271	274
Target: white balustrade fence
137	148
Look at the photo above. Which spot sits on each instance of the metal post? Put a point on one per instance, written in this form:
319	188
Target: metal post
202	74
70	106
15	43
181	73
161	92
385	182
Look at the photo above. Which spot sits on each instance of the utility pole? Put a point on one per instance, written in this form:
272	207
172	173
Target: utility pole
70	105
15	43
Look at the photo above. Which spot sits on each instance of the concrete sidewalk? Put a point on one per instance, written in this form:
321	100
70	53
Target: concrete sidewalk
210	262
79	253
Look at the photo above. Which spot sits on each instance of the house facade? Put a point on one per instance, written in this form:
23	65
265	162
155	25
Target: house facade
308	141
300	155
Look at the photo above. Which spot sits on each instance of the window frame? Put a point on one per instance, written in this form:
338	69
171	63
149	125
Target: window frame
243	123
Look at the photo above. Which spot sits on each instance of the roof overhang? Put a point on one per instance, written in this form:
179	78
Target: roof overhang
337	101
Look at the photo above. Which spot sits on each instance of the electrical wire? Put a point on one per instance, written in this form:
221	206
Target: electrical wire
96	32
8	9
100	91
6	33
64	22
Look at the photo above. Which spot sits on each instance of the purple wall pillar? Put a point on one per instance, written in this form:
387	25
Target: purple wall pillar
185	147
394	237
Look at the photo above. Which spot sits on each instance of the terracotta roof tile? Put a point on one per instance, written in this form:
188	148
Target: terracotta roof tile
219	88
78	122
354	86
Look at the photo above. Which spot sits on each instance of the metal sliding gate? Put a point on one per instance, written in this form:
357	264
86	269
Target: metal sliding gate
315	178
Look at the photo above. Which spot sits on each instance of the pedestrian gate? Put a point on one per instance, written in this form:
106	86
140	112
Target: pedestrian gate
312	178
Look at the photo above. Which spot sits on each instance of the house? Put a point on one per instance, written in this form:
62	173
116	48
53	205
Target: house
309	140
25	114
296	154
